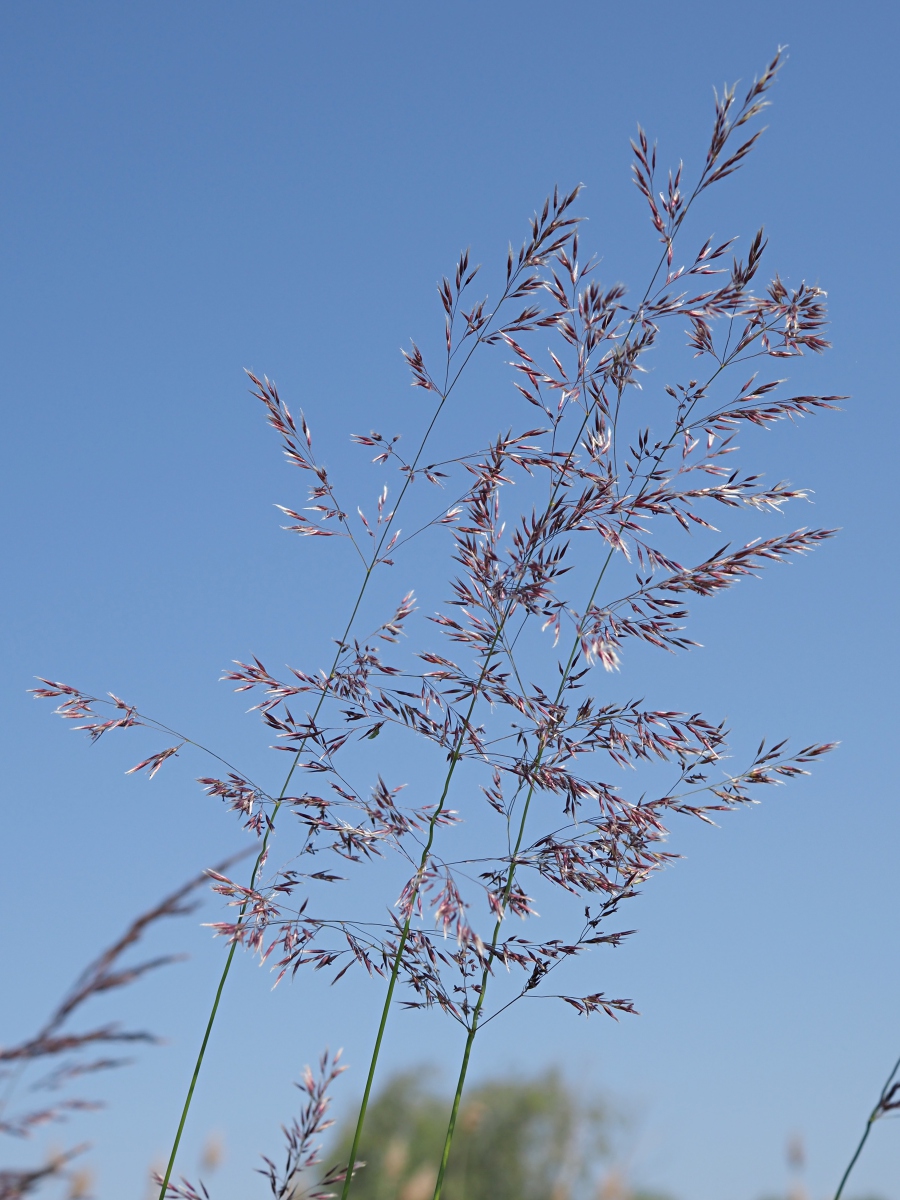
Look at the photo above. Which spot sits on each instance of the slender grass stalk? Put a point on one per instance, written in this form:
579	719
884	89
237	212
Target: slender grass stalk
401	946
510	879
404	935
511	873
449	385
260	858
885	1103
395	970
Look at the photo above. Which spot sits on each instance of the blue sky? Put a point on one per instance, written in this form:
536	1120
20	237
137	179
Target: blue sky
190	190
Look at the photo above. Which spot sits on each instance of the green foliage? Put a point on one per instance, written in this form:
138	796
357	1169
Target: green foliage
517	1139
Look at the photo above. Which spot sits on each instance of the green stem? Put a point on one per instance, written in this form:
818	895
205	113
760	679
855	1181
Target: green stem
197	1066
404	936
260	858
280	799
404	933
852	1163
395	969
510	879
873	1117
479	1003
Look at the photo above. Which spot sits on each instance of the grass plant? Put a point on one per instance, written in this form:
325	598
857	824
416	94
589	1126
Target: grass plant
575	528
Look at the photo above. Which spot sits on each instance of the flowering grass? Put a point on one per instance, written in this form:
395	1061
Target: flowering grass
577	527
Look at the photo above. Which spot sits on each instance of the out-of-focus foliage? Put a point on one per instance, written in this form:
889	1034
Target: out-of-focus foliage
517	1139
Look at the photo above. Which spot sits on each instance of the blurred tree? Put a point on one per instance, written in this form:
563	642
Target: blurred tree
517	1139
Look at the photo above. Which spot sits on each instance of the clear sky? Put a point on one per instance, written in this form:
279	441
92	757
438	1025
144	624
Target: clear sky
192	189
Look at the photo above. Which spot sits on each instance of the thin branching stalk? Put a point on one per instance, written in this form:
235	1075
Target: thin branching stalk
510	879
414	889
665	257
450	382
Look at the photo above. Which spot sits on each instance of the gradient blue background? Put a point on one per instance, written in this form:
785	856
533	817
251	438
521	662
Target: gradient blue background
190	189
